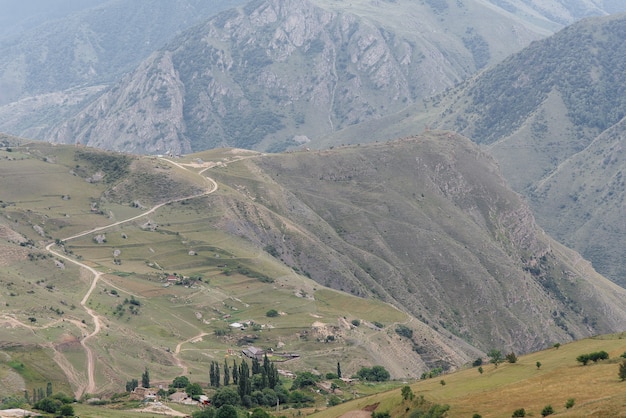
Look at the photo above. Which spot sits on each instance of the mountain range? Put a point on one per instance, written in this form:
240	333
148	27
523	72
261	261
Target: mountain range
552	116
424	228
363	61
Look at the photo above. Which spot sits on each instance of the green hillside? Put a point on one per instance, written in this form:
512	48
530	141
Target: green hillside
411	255
596	389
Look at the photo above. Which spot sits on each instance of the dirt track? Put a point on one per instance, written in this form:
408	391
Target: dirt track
81	387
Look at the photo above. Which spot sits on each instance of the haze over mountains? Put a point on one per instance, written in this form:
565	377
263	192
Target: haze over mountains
363	60
426	223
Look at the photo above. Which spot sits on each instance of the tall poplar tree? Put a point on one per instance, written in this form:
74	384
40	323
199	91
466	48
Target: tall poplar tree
145	379
226	374
235	373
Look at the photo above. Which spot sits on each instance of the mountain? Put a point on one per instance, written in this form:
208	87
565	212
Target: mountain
277	74
425	224
552	116
55	56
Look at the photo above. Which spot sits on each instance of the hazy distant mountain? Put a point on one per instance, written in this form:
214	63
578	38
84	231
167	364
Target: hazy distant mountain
553	116
92	45
18	16
279	73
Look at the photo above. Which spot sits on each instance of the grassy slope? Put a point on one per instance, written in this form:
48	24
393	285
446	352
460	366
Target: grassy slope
33	287
497	392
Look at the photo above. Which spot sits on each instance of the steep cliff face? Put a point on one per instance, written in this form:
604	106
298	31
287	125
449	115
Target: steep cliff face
428	224
276	74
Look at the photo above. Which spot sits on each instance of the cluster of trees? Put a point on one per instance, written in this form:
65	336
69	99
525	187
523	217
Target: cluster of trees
39	394
547	410
598	355
59	404
374	374
134	383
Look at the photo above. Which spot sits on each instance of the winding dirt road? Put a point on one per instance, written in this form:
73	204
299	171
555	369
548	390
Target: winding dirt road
90	386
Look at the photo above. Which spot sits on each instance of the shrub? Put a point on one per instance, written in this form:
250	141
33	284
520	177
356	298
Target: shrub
180	382
569	403
547	410
495	356
599	355
477	362
511	358
519	413
404	331
66	410
622	370
271	313
375	374
356	322
583	358
304	379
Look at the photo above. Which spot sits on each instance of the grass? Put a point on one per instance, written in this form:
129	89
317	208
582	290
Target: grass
226	231
499	391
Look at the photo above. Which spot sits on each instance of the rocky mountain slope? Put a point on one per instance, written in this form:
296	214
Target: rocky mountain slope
279	73
425	223
52	58
553	116
546	114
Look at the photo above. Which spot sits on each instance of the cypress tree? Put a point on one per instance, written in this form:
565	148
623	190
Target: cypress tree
235	373
49	389
245	385
256	366
226	374
145	379
338	370
273	378
212	374
217	375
